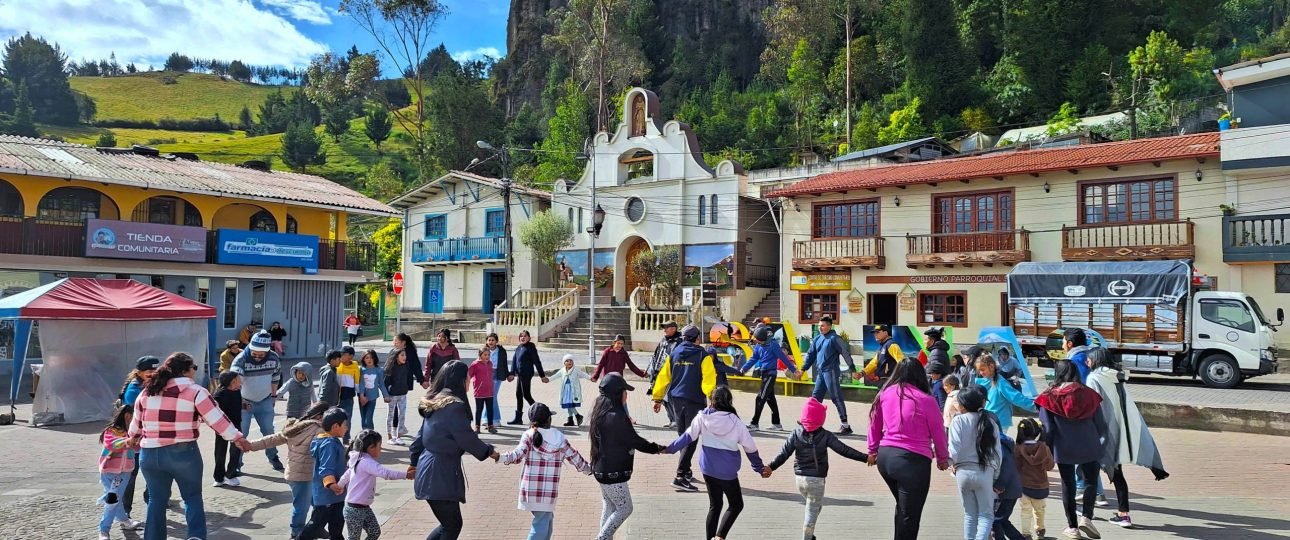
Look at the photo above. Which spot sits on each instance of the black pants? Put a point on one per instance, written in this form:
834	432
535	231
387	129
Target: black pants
352	339
718	524
523	393
480	405
227	458
128	501
1121	489
685	410
1089	470
449	515
908	476
766	396
331	517
1003	527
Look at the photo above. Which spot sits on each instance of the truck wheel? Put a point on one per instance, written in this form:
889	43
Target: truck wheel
1220	371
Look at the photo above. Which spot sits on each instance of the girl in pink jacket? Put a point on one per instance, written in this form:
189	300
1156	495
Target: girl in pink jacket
360	478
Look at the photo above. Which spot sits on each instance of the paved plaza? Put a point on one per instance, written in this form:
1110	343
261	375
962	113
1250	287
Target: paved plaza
1224	485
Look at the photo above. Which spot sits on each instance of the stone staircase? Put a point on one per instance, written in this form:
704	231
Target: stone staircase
610	321
768	307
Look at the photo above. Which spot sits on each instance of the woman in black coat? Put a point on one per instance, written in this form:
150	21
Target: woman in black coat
524	366
436	454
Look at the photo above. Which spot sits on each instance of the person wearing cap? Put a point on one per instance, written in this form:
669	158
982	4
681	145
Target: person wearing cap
144	368
766	359
662	352
827	349
889	354
613	443
967	372
615	359
261	371
686	379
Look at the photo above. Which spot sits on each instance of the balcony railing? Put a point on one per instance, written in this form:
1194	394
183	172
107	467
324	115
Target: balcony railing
56	238
967	249
459	250
1130	241
756	275
839	253
1263	238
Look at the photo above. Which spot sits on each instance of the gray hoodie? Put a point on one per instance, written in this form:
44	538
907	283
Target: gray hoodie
299	395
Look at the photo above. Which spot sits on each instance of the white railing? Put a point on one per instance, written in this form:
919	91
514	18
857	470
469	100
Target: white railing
542	312
647	324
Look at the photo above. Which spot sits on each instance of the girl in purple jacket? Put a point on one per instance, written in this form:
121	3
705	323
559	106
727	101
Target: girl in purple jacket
721	435
360	478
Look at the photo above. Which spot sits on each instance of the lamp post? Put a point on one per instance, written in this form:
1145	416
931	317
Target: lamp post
502	154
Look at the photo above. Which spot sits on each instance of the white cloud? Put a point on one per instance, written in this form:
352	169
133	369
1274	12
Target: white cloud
309	11
145	32
477	54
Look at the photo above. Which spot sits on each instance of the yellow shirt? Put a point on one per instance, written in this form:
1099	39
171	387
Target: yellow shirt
347	376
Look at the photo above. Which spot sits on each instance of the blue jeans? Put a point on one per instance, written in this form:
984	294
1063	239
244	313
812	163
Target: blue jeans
367	411
302	499
348	406
497	409
112	499
262	412
541	529
826	383
976	488
1079	483
1003	527
162	468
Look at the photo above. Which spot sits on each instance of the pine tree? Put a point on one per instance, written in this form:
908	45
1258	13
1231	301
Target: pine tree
301	147
23	116
378	126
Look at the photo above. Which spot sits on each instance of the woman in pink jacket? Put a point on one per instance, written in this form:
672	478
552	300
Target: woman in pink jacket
905	432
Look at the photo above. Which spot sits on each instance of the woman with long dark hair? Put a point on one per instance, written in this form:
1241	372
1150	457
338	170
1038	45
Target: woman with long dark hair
525	364
613	439
167	420
1073	426
905	434
1128	441
403	342
436	454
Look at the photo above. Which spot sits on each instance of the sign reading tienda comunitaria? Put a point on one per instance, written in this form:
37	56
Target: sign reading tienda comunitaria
144	241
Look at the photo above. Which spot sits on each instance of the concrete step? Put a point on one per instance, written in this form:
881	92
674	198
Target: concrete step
573	343
616	328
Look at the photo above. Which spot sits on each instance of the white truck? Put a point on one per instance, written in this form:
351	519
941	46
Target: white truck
1153	316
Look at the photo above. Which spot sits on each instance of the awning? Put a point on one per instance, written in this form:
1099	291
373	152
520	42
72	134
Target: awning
103	300
1134	282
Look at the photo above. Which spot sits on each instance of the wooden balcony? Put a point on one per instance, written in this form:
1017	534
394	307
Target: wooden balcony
1130	241
838	253
967	249
1248	239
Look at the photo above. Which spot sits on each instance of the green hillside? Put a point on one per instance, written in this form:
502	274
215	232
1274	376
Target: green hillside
155	95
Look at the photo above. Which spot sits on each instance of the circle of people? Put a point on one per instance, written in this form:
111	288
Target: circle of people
955	411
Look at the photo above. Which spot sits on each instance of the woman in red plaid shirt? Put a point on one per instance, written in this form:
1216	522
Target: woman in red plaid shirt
542	449
167	420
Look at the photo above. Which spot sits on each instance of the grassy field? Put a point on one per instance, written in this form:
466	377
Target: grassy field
129	136
145	96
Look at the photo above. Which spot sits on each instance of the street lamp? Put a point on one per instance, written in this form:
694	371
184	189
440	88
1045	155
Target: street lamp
597	221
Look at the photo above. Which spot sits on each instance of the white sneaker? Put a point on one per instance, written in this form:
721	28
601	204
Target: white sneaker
753	427
217	484
104	536
131	525
1086	527
777	427
232	482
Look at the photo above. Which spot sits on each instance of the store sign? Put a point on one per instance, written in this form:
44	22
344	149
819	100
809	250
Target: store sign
938	279
145	241
802	281
256	248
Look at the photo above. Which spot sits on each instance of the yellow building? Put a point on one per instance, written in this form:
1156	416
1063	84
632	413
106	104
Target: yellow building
930	243
259	246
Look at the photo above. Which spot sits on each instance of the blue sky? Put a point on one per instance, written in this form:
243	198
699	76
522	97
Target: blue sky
280	32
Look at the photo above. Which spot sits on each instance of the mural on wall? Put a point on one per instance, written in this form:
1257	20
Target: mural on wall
710	263
571	269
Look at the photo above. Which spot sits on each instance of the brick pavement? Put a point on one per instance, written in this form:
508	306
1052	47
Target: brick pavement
1224	485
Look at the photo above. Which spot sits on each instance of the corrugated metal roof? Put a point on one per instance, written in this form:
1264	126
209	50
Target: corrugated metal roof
40	157
419	194
1010	163
870	152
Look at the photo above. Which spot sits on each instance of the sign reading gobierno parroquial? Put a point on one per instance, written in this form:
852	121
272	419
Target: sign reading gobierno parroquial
145	241
255	248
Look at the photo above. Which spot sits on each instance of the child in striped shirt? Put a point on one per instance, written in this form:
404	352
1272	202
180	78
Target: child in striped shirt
115	464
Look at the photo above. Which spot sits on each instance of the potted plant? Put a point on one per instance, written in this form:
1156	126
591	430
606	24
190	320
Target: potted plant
1225	121
1227	209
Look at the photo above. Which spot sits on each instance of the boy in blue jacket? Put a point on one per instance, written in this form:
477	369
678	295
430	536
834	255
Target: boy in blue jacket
766	357
1007	488
329	464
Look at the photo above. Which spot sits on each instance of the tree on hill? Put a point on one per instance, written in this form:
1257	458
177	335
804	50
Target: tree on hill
244	119
383	182
301	147
378	126
42	67
106	140
604	53
336	122
22	122
178	62
459	108
567	131
239	71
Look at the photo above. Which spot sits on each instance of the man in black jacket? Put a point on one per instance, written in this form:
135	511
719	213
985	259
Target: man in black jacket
662	352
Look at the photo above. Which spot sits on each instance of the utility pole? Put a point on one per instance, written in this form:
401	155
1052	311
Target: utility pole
591	262
506	225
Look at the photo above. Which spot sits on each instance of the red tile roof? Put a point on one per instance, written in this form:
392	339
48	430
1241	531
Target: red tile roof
1201	145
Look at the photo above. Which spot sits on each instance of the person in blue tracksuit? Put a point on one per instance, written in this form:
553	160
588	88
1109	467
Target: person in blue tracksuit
827	349
766	358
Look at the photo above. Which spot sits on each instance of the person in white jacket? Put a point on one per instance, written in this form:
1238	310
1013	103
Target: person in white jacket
570	379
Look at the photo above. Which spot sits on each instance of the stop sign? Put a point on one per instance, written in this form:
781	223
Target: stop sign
398	283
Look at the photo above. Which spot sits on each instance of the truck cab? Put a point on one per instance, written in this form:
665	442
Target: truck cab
1231	339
